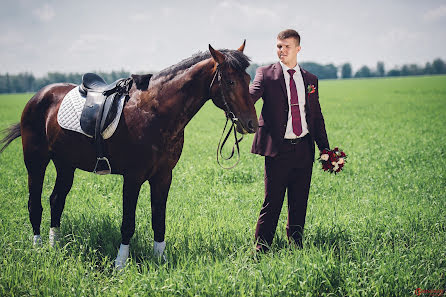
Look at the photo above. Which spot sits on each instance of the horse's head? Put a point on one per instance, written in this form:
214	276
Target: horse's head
229	88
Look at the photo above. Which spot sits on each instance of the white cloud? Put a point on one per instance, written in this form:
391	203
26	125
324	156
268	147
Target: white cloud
167	12
253	11
90	43
400	37
11	38
141	17
45	13
138	17
435	14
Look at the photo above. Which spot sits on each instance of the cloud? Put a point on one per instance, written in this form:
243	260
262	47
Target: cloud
252	11
45	13
232	16
400	36
435	14
140	17
11	38
90	43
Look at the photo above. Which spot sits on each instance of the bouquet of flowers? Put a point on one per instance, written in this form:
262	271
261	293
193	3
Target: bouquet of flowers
332	160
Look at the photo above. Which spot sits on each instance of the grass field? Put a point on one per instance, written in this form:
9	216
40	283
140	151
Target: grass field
376	229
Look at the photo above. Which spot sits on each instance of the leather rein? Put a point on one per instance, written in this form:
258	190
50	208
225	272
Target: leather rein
229	116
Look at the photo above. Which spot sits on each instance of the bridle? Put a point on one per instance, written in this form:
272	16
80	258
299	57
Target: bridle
229	116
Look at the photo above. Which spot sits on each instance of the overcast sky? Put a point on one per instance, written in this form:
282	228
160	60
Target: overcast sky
143	36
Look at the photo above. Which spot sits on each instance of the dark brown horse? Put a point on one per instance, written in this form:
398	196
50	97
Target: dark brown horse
147	143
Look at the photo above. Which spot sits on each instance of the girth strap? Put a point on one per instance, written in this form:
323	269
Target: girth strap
122	88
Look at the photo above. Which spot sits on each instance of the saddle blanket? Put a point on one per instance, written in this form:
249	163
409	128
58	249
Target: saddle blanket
70	111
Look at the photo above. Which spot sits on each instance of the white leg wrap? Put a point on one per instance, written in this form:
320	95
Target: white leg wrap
158	249
54	236
37	240
123	254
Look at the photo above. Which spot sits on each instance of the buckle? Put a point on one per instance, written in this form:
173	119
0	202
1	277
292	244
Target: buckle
295	140
292	141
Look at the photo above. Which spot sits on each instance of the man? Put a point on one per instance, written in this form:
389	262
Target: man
289	124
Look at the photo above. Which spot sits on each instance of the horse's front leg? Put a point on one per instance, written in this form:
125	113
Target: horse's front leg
130	194
159	190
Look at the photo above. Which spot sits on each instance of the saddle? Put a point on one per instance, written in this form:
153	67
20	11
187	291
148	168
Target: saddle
99	111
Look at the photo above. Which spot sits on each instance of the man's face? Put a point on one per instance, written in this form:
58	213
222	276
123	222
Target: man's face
287	50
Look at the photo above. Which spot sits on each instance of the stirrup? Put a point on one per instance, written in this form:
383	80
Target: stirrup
102	166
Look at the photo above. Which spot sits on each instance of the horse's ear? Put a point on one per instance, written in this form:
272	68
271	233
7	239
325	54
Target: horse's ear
218	56
242	47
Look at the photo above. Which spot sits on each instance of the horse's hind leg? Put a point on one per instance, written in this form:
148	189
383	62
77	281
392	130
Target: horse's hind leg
36	162
64	181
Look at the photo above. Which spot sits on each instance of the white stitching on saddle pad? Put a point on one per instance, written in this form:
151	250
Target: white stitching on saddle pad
70	111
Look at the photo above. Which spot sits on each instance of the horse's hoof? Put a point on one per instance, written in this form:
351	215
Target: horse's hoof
123	254
54	236
37	241
158	250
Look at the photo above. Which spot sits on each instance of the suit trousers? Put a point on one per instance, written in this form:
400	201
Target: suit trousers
289	170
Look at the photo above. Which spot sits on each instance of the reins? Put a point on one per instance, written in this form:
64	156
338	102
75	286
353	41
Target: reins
229	116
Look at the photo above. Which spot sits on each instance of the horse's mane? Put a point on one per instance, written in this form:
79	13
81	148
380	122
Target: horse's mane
236	59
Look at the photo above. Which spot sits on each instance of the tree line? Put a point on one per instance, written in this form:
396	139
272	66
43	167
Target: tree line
331	71
436	67
26	82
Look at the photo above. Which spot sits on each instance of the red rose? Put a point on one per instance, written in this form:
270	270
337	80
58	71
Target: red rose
335	162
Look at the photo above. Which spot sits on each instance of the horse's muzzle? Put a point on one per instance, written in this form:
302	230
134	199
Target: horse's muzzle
247	126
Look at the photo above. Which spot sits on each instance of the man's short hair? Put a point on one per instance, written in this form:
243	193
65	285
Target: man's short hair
289	33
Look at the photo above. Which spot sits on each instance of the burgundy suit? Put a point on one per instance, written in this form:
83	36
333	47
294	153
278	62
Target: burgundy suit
287	166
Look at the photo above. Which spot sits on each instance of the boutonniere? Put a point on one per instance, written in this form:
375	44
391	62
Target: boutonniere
311	89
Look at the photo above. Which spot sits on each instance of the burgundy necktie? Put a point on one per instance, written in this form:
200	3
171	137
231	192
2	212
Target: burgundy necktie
295	111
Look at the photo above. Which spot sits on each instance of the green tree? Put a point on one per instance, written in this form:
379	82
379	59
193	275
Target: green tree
8	83
428	69
364	71
405	70
438	66
380	71
346	70
251	70
321	71
394	72
414	69
57	77
3	88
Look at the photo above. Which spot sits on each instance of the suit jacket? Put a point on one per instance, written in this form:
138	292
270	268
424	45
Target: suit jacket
269	83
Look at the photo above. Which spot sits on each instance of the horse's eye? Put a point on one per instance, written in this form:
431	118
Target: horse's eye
231	83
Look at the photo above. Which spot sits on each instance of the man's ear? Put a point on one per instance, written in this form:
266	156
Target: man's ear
298	48
218	56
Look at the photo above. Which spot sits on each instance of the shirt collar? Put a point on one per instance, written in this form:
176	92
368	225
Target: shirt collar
285	67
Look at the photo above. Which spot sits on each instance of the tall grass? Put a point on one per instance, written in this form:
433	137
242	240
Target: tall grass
376	229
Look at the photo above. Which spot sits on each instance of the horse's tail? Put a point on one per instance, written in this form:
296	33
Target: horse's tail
13	132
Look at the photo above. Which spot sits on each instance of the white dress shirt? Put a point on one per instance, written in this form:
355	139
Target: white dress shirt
299	81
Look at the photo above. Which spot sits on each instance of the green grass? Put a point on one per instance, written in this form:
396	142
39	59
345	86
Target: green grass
376	229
